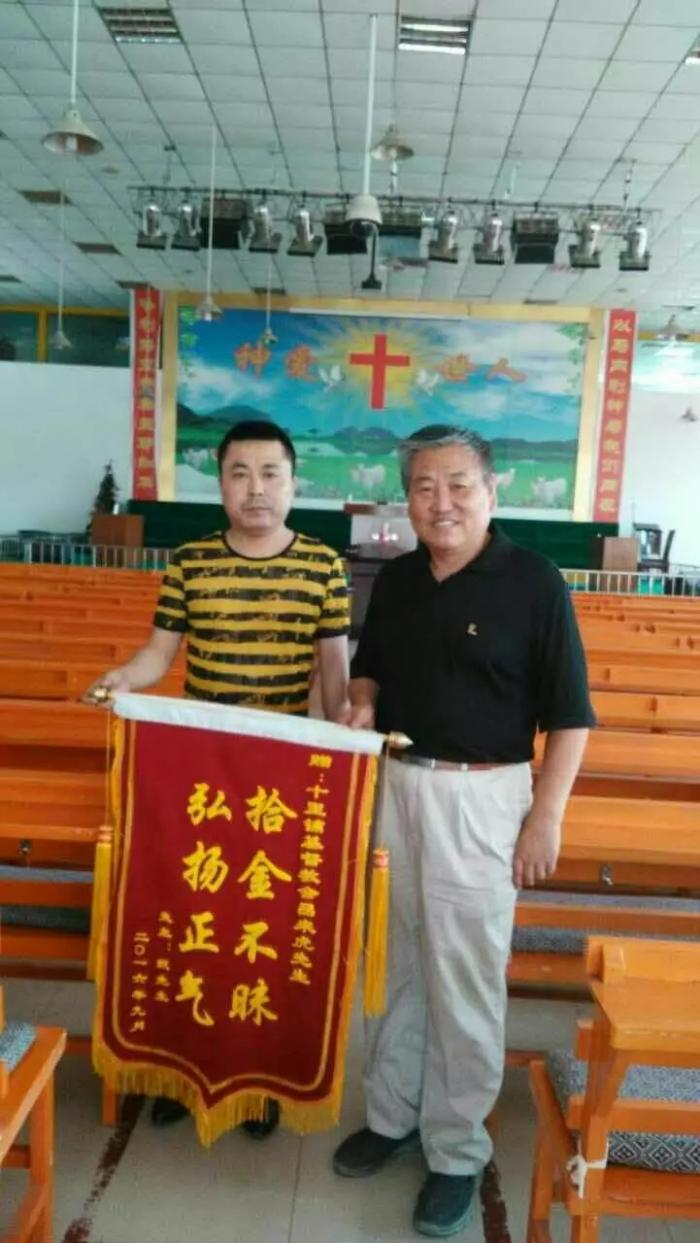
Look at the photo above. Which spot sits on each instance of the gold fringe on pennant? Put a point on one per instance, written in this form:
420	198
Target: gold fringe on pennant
101	888
303	1117
374	998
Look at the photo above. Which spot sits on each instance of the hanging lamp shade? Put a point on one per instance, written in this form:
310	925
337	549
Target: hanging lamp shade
392	146
59	341
72	136
208	310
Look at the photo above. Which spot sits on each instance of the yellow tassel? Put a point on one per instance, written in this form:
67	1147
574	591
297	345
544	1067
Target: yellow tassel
101	885
377	926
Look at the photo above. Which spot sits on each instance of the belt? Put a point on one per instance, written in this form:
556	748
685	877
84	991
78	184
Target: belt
426	761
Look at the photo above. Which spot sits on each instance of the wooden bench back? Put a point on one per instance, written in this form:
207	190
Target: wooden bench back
646	676
627	710
650	755
58	680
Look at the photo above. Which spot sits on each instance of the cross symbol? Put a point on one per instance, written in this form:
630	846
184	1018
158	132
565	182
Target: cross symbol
379	361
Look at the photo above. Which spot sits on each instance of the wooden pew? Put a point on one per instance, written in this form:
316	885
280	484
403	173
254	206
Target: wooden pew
606	634
645	676
43	679
53	824
630	710
616	855
642	765
49	831
133	628
65	649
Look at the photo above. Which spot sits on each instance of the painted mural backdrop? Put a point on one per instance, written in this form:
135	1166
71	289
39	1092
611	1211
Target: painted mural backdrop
348	388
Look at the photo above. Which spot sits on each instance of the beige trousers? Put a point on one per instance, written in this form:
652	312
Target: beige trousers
435	1058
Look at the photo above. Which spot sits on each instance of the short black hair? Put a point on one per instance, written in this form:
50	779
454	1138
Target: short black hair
439	435
257	429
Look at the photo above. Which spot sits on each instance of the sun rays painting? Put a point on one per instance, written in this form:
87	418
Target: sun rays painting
348	388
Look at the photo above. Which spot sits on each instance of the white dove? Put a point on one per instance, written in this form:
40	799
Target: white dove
427	381
331	377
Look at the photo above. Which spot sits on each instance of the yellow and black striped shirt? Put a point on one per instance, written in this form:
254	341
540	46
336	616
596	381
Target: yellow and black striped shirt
251	622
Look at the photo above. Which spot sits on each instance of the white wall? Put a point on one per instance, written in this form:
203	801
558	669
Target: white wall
59	426
662	469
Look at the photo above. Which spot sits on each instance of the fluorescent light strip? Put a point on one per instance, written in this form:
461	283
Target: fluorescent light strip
440	28
431	47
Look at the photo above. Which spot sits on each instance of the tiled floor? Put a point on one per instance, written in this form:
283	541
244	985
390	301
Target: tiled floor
167	1189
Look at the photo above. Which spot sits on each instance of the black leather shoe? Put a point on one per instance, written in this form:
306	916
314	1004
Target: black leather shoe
260	1128
445	1204
164	1111
367	1151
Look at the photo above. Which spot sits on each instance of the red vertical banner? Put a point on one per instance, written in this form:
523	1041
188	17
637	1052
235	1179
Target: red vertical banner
235	926
622	329
144	366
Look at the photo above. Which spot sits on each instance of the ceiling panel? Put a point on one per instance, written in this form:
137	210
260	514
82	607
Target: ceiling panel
554	101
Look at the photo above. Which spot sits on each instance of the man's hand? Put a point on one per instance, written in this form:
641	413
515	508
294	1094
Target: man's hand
114	680
357	716
537	849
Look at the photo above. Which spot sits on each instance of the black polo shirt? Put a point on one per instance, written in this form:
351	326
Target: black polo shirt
472	666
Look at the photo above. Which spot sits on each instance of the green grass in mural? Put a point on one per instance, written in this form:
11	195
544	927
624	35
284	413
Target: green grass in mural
324	471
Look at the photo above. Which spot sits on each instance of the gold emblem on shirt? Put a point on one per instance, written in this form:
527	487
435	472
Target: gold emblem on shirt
472	628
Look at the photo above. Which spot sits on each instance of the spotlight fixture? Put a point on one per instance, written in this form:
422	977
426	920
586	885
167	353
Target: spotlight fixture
445	249
635	256
534	238
306	242
72	136
187	235
263	240
490	249
151	235
585	253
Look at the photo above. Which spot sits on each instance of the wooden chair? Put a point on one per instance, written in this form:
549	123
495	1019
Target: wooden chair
622	1136
28	1059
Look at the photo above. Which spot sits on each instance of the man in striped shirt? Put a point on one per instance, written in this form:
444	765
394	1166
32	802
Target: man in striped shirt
254	601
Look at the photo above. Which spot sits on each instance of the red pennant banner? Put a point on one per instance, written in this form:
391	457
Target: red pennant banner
235	922
616	399
146	337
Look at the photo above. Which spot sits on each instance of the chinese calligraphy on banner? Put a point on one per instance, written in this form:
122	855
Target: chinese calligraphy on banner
146	336
616	399
236	918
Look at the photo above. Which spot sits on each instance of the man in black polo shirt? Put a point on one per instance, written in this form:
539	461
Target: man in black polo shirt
470	645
